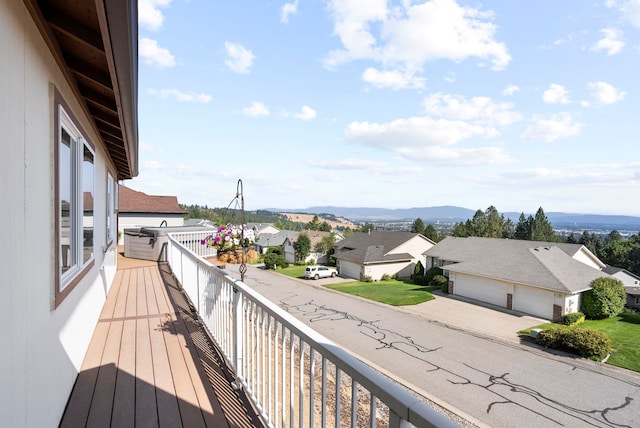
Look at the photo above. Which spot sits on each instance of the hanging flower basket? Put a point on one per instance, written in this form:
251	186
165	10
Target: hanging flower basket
230	241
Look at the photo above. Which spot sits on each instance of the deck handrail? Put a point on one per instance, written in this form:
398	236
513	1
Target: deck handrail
259	340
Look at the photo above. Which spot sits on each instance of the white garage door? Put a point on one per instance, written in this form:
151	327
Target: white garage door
481	289
533	301
349	270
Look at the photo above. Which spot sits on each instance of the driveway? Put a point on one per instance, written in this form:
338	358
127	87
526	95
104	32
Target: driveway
455	354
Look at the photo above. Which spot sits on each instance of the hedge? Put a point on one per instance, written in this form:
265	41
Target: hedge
586	342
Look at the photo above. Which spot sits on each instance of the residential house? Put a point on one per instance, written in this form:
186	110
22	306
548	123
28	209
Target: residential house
137	209
68	85
544	279
377	253
315	237
263	228
266	241
631	283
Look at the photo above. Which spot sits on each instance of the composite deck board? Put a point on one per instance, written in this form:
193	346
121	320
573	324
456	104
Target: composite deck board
142	368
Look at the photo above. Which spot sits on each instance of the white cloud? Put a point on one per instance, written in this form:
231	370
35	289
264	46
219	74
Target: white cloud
153	54
510	90
414	34
426	139
256	109
480	110
611	41
184	97
239	59
394	79
306	113
550	129
630	10
604	93
287	10
149	14
556	94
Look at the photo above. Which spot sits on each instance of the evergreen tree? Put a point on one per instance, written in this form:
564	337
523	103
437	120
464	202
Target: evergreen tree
541	229
431	233
418	226
523	228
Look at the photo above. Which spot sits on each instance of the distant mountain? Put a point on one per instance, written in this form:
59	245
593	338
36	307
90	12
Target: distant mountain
455	214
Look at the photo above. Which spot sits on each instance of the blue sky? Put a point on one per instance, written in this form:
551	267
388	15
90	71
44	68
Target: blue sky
392	104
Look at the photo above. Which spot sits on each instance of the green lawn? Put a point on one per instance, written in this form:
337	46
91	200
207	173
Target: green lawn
293	271
393	292
624	332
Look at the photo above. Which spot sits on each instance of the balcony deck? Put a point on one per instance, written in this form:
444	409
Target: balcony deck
150	363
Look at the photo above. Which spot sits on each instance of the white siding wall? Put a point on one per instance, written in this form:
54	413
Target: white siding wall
42	347
583	257
403	270
415	246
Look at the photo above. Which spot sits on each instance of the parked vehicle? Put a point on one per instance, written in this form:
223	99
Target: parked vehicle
317	272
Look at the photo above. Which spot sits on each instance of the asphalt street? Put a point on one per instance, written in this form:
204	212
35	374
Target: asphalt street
497	382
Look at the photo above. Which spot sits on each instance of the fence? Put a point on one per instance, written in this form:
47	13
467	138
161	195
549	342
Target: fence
295	376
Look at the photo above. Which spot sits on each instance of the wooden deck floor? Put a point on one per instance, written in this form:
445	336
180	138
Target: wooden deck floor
150	364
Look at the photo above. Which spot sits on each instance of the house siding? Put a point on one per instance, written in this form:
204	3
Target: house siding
44	346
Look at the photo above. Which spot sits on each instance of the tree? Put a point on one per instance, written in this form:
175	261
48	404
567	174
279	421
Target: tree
367	227
605	299
302	247
325	246
418	226
541	229
614	235
314	224
431	233
324	227
523	228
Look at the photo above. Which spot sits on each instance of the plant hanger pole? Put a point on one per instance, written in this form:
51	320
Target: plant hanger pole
240	197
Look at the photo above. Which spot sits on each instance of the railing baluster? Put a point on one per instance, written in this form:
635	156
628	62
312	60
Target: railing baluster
354	403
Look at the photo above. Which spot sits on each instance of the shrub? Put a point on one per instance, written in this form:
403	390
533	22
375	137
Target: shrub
272	260
420	280
573	318
429	274
586	342
551	338
386	277
605	299
367	278
418	270
439	281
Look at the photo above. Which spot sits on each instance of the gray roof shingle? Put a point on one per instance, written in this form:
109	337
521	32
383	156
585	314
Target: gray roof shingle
373	247
539	264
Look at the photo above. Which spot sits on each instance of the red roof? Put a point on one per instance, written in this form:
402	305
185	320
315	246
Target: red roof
131	201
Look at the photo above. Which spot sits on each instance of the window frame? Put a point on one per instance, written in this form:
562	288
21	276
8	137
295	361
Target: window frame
111	209
65	282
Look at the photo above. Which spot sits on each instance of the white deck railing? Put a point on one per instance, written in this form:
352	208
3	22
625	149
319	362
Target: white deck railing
295	376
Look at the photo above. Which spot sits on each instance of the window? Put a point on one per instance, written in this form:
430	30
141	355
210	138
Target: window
75	164
111	208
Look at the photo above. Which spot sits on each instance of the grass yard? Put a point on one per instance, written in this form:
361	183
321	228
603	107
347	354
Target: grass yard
393	292
623	330
293	271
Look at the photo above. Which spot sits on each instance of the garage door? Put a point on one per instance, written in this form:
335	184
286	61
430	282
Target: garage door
349	270
481	289
533	301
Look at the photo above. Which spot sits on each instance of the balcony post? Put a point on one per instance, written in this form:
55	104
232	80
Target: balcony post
238	335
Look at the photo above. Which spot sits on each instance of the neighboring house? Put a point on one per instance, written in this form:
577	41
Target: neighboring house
631	284
377	253
137	209
314	237
263	228
69	86
199	222
266	241
544	279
